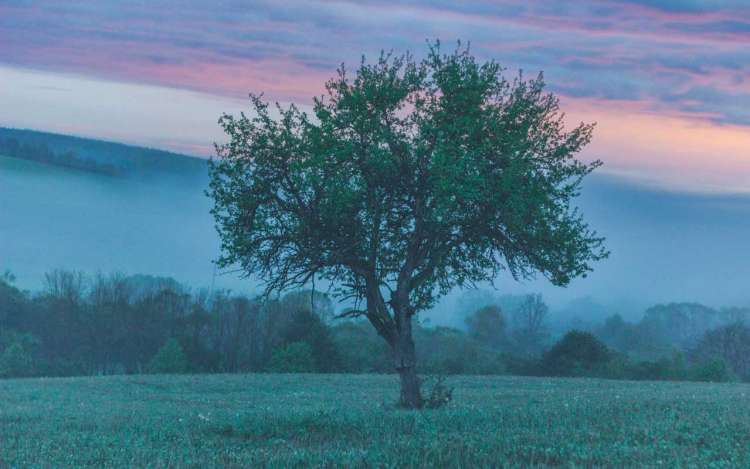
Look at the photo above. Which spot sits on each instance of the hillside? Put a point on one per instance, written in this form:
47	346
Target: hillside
97	156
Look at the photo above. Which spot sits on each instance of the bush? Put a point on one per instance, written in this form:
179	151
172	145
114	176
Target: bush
16	362
169	359
715	371
17	358
295	357
360	348
663	369
578	353
438	393
444	350
308	327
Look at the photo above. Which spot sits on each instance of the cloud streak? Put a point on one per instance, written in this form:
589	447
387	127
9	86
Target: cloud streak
686	59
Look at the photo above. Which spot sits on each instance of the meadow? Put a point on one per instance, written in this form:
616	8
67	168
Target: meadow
297	420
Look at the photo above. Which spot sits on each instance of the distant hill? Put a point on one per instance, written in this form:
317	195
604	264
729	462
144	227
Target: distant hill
84	154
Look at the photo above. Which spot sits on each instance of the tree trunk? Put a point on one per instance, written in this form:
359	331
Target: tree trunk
405	363
411	396
397	331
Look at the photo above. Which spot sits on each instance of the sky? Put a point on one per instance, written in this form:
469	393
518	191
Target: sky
666	81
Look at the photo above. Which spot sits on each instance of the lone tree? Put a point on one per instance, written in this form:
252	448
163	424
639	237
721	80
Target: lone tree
412	178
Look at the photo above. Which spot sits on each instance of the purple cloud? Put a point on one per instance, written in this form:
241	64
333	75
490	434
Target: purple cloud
651	51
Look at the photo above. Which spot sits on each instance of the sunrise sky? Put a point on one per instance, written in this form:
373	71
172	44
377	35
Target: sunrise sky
667	81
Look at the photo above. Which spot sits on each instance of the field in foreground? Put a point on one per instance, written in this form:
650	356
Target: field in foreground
347	420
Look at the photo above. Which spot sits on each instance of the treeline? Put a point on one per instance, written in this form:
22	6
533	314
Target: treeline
41	153
98	156
116	324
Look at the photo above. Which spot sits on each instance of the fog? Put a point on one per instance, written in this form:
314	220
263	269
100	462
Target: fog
665	246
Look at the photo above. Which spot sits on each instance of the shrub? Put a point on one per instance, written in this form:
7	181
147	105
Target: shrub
360	348
169	359
438	394
17	358
295	357
662	369
16	362
715	371
308	327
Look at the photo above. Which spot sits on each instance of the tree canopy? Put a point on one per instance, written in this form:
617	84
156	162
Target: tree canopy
410	178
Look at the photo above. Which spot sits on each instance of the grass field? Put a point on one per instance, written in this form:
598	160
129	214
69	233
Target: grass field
347	420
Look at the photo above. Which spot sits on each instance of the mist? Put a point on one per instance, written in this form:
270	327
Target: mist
665	246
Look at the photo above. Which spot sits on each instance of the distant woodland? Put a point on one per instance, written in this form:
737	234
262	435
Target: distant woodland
116	324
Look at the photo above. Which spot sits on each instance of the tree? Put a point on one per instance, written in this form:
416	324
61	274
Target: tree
576	354
728	344
529	331
680	324
487	326
169	359
413	177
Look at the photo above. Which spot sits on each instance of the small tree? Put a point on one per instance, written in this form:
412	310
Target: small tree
414	177
529	331
487	326
169	359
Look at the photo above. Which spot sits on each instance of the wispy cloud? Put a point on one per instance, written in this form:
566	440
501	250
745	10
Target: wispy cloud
688	59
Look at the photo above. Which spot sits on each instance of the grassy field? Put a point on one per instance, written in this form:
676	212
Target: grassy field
340	420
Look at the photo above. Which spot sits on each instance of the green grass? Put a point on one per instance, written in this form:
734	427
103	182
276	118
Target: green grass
346	420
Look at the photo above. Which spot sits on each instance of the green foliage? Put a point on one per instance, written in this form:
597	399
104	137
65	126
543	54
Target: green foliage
307	327
16	362
262	420
170	358
576	354
412	178
17	354
665	368
114	324
438	394
448	351
360	349
714	370
294	357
